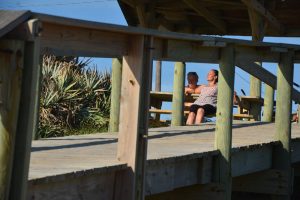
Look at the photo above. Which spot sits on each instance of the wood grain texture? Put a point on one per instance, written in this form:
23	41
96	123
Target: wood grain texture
268	104
116	80
10	91
282	154
133	128
178	94
28	119
60	162
223	136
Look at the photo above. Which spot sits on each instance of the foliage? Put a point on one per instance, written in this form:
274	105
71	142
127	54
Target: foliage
74	98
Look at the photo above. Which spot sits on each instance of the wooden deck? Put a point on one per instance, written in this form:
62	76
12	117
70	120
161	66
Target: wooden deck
70	158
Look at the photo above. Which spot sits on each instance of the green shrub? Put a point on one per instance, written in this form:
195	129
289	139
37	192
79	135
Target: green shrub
74	98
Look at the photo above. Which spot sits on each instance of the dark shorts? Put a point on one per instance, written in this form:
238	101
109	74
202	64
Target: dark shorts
208	109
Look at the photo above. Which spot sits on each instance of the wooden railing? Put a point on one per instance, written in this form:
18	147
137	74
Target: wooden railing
138	48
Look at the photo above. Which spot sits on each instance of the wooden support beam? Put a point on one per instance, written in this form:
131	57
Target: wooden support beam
158	76
140	10
115	95
102	40
28	119
133	128
208	15
62	40
255	91
223	134
264	75
268	104
282	152
178	94
158	83
258	26
259	8
11	65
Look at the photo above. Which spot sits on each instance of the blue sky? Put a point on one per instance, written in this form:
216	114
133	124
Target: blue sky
108	11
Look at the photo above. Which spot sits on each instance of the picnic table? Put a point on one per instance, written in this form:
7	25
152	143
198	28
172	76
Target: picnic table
245	105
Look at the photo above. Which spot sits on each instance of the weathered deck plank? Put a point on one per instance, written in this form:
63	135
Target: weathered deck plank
85	167
56	156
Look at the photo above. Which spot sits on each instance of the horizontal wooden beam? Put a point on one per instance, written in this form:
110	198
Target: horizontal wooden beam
69	40
141	14
113	42
258	7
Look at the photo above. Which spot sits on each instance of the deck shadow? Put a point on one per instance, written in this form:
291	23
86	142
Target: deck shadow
188	132
34	149
161	134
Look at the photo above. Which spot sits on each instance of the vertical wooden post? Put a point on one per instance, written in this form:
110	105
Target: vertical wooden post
11	64
158	76
28	119
133	129
158	85
178	94
268	104
255	90
282	153
223	134
115	95
258	27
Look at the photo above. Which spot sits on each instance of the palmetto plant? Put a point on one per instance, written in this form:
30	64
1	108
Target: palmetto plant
74	97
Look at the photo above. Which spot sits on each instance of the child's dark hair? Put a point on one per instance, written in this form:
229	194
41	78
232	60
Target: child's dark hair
193	74
216	73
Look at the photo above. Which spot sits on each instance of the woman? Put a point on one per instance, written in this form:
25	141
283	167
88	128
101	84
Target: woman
207	100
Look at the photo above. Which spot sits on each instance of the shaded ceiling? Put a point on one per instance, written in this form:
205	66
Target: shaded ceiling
216	17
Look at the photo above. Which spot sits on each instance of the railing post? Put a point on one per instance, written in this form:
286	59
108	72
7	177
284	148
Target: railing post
11	65
116	77
268	104
223	133
178	94
28	119
282	153
134	109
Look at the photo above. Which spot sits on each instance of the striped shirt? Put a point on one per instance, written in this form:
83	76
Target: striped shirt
208	95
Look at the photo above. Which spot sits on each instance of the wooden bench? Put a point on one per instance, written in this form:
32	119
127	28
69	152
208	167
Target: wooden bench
242	116
235	116
157	111
246	102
